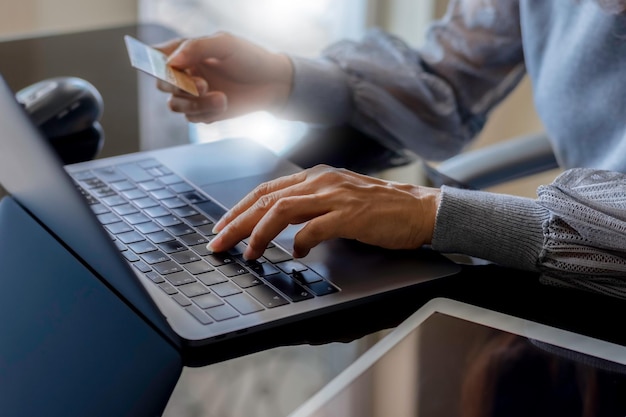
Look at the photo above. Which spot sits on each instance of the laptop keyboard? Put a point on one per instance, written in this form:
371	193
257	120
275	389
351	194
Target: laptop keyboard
161	225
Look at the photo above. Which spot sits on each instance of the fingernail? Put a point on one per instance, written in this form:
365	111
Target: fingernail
220	102
211	245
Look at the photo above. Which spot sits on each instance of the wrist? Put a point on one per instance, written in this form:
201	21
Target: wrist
282	81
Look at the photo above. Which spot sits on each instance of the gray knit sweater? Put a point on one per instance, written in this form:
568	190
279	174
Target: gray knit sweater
434	101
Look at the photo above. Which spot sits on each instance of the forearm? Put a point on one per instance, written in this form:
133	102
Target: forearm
319	94
504	229
573	233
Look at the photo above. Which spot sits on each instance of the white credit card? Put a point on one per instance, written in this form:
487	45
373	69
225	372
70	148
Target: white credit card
154	62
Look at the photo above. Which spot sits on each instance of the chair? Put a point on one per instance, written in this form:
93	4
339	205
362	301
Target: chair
505	161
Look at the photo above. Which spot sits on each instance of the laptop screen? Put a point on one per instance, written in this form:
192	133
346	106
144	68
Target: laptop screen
453	359
32	172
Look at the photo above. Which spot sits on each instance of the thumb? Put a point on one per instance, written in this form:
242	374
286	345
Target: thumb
197	50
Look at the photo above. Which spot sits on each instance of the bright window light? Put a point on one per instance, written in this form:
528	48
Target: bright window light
302	27
277	135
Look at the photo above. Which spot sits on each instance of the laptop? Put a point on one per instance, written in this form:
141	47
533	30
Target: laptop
451	358
140	222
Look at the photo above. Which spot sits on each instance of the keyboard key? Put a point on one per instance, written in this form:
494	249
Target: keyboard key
154	257
167	287
306	277
201	250
198	220
223	312
225	289
288	286
267	296
124	209
184	257
170	179
232	269
244	303
154	277
130	256
212	209
181	299
185	211
168	267
206	229
134	194
194	239
199	267
108	174
207	301
262	268
180	229
160	237
181	187
107	218
103	192
142	266
238	249
114	200
168	220
154	171
162	194
193	290
135	172
194	197
276	255
211	278
172	203
289	266
219	259
322	288
145	202
172	247
246	280
136	218
99	208
148	227
148	163
142	247
157	211
118	227
200	315
124	185
150	185
83	175
180	278
130	237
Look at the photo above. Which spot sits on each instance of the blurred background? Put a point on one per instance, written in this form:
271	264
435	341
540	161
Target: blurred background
274	382
302	27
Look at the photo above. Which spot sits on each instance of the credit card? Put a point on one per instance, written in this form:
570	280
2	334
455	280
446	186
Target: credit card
154	62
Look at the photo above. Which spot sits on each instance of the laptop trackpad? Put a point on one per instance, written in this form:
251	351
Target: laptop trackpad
228	193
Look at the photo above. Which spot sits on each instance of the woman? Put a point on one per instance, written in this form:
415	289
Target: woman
434	101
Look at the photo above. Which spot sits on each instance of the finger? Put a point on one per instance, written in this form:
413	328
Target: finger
169	46
257	194
193	51
264	220
201	85
316	231
287	211
211	104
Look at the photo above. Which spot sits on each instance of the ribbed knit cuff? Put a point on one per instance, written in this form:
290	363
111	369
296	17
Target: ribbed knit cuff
319	94
500	228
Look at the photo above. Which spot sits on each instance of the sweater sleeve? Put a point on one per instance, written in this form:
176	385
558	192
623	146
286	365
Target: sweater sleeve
573	234
432	100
